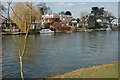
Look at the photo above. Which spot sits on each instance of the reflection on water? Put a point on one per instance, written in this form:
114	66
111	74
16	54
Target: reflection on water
48	55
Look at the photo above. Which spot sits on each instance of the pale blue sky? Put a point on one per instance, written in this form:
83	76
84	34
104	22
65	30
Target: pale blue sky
62	0
77	7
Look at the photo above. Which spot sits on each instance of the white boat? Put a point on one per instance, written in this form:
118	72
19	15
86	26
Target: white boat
46	31
68	31
108	29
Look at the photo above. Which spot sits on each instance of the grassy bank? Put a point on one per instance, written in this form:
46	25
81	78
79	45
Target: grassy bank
104	71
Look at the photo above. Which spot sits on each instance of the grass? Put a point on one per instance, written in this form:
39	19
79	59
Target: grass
104	71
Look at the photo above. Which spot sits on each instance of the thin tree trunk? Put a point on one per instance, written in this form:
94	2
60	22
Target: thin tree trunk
21	67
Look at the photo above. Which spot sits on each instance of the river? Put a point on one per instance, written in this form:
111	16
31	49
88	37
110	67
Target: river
47	55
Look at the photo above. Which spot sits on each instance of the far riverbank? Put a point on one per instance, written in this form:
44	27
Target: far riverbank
7	32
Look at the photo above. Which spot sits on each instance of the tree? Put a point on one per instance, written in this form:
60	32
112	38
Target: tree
68	13
108	16
62	12
23	14
47	25
26	15
83	18
96	13
99	13
44	8
2	10
91	23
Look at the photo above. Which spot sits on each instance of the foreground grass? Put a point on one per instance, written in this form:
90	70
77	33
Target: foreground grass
104	71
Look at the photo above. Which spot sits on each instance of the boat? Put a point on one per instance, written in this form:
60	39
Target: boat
108	29
68	31
46	31
102	29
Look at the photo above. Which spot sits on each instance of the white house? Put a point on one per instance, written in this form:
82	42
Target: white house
50	16
114	22
74	23
62	17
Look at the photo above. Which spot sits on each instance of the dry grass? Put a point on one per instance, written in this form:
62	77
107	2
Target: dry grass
104	71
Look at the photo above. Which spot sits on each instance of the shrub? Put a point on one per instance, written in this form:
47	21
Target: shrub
47	25
91	27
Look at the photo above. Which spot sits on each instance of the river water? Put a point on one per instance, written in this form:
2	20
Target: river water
47	55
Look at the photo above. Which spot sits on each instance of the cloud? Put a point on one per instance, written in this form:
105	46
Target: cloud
62	4
82	3
70	5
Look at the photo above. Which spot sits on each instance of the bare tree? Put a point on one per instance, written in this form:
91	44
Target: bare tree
23	14
83	14
2	10
44	8
27	15
83	17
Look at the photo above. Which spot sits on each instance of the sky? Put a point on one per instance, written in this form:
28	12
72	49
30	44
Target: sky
77	7
62	0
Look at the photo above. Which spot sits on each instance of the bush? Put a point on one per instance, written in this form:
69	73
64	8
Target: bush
80	26
47	25
91	27
104	26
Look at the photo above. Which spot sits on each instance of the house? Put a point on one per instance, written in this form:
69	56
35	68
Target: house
66	21
114	22
63	17
49	17
56	24
8	26
3	23
74	22
0	25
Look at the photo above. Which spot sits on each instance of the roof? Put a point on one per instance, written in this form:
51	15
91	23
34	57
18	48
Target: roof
50	16
114	21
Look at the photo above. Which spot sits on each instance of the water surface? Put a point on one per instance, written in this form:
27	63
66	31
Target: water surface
49	55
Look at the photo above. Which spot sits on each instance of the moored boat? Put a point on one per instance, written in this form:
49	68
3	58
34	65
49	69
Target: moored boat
68	31
46	31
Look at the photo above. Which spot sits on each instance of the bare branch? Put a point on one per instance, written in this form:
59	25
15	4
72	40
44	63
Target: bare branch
15	13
